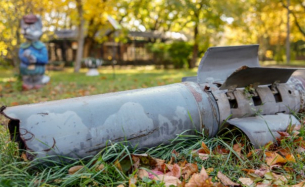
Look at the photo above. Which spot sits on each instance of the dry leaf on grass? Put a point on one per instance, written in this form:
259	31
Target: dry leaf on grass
260	172
136	162
100	167
74	169
169	180
118	165
160	164
133	181
121	185
188	170
220	150
203	156
24	157
175	154
225	180
279	179
297	127
246	181
202	179
287	154
154	173
175	170
142	173
254	152
273	158
204	149
283	134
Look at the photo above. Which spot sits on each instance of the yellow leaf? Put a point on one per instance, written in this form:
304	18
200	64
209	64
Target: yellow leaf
273	158
74	169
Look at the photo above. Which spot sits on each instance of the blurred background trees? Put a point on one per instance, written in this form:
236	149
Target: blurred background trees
160	32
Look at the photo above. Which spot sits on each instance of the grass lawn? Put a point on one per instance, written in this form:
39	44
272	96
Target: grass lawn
278	164
66	84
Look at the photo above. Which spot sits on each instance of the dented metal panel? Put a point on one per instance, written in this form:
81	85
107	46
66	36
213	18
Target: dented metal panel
263	129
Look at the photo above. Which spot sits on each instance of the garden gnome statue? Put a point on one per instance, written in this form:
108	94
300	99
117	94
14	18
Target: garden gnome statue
33	54
92	64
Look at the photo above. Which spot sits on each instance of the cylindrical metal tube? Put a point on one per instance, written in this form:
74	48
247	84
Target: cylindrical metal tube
82	126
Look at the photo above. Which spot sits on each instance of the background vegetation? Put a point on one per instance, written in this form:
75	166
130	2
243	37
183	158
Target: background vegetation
205	22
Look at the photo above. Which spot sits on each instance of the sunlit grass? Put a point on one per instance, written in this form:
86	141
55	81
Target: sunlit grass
65	84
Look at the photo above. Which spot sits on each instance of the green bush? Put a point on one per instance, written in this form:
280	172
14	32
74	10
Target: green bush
180	53
160	53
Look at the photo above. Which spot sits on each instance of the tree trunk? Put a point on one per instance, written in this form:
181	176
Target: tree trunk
192	64
80	39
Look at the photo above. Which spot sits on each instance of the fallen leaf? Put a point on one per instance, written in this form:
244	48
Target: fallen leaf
200	179
204	173
24	157
283	134
281	180
197	180
273	158
295	133
142	173
287	154
136	162
121	185
268	146
188	170
254	152
175	170
118	165
268	176
169	180
175	154
100	167
154	173
74	169
204	149
14	103
203	156
260	172
225	180
297	127
220	150
133	181
237	148
246	181
160	164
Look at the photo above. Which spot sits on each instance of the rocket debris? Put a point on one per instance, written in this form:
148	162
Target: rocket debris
230	89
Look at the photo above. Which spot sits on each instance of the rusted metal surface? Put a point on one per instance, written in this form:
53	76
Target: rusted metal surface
226	91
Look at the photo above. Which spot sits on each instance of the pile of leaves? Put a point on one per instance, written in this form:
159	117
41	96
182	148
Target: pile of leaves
279	163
